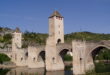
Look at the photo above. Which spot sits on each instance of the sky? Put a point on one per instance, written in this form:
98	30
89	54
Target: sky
79	15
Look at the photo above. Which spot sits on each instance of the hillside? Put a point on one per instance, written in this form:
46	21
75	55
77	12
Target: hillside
88	36
40	38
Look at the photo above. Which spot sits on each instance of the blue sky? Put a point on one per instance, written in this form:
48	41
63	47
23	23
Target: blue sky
79	15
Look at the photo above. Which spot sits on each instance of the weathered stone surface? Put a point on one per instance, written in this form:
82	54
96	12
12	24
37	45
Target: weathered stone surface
56	28
78	54
53	61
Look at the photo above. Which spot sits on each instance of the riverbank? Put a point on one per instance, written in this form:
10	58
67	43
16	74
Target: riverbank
7	66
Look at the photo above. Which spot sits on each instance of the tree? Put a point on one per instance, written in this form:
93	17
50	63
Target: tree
4	58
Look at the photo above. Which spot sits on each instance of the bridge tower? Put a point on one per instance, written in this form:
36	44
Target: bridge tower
18	54
56	35
56	27
17	39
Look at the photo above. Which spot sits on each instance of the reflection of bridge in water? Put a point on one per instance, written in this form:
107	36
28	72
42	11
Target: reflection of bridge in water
28	71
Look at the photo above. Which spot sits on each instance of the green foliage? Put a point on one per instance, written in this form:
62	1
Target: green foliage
31	37
102	67
4	58
68	67
88	36
67	58
40	38
7	38
1	39
1	29
104	54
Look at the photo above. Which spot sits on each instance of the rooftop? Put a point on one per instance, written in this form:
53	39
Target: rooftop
17	30
56	13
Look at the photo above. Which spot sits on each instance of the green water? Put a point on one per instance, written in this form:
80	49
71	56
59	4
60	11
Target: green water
4	71
99	74
101	69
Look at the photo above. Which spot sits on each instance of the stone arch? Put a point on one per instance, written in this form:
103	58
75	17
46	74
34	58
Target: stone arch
58	41
95	49
41	56
63	52
89	57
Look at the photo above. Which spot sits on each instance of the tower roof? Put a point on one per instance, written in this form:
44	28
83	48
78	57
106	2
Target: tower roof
56	13
17	30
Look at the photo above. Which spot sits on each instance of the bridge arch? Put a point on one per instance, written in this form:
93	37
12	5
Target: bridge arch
97	48
41	56
58	41
64	52
89	58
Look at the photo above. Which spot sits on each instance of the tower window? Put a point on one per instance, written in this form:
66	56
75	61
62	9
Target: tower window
58	41
53	60
59	26
34	59
59	32
21	59
57	17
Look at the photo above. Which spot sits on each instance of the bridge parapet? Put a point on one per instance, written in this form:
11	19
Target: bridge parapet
90	46
6	50
62	46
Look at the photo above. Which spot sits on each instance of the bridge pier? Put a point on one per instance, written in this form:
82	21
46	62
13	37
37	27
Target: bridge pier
89	63
20	59
53	60
78	57
82	58
33	60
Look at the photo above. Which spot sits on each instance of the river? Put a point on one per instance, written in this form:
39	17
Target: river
101	69
28	71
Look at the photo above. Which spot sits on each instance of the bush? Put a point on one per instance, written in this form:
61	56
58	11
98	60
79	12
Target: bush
104	54
4	58
68	58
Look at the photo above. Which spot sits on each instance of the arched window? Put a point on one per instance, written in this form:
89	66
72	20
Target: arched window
21	58
53	59
58	41
34	59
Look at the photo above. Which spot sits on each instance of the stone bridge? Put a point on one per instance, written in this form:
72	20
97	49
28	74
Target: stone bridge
84	53
37	53
34	56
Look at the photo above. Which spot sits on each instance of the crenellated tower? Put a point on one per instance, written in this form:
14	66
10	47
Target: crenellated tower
56	27
17	39
56	35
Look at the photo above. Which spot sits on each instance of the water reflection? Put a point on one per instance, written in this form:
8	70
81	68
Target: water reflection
28	71
55	73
